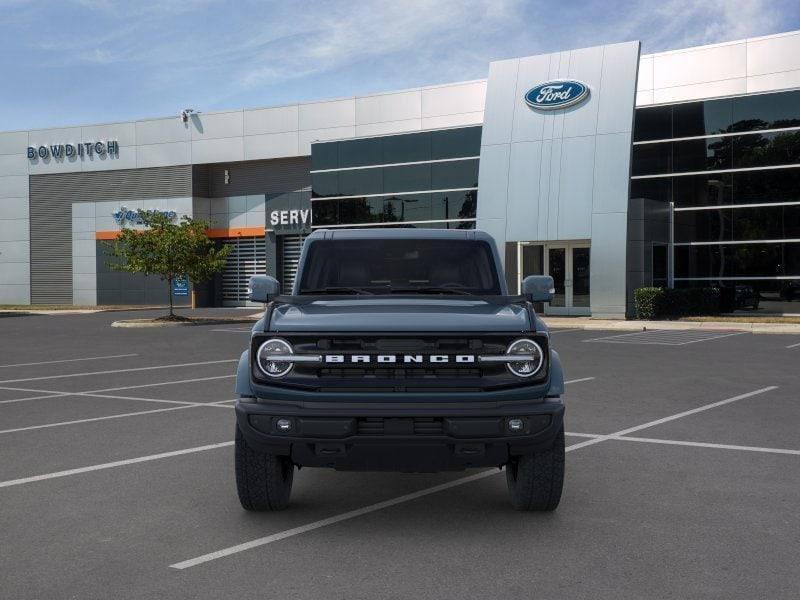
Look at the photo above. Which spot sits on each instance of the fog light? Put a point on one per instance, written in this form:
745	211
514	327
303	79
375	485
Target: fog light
516	424
283	424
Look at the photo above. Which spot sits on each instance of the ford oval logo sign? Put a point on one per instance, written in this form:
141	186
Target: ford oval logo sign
556	94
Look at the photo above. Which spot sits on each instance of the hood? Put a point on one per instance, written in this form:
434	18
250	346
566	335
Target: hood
400	314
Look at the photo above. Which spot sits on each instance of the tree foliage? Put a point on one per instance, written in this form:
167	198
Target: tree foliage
168	249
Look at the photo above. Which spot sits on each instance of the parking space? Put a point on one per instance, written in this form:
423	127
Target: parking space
665	337
682	475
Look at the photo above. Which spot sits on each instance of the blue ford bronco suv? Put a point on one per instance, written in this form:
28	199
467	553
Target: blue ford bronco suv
400	350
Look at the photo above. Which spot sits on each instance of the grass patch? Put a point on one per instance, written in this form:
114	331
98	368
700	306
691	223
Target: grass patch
724	319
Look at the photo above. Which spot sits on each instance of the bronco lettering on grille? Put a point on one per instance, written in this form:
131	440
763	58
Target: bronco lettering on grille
399	358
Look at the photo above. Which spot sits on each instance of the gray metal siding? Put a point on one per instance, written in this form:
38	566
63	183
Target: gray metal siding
51	248
51	198
259	177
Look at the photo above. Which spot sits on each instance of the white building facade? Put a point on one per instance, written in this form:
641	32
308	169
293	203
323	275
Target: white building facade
674	167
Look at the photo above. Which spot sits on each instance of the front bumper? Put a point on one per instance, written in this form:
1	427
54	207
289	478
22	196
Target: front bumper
412	437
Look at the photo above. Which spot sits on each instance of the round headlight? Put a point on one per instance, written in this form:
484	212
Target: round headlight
528	367
268	351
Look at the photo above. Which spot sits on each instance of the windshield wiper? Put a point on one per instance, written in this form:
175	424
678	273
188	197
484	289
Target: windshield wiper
337	290
432	289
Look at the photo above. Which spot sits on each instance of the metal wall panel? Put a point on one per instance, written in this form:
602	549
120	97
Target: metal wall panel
259	177
51	198
563	175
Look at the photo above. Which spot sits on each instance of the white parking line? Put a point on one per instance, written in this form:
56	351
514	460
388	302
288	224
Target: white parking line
133	369
665	337
54	394
13	400
142	385
92	420
564	330
707	445
66	360
431	490
579	380
47	394
792	346
220	404
111	465
234	330
621	438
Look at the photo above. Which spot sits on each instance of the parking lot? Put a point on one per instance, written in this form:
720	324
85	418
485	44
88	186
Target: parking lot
117	481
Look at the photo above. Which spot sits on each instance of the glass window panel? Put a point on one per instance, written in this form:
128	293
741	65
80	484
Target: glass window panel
325	156
409	178
653	123
773	185
325	212
766	149
733	224
702	155
454	143
701	118
413	207
660	264
652	159
361	181
357	153
653	189
703	225
357	210
457	174
702	190
413	147
454	205
766	111
325	184
738	260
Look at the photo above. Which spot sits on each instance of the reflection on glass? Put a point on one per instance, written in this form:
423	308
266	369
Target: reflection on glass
738	260
557	258
397	208
580	276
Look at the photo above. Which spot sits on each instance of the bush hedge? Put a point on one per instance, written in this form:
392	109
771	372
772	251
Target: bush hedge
663	303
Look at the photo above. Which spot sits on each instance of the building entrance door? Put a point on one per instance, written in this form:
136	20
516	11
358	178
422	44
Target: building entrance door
568	263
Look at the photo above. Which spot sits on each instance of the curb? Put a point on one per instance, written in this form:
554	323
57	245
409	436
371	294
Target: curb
608	324
135	324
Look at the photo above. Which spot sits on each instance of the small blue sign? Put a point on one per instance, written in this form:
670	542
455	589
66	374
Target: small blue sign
556	94
180	286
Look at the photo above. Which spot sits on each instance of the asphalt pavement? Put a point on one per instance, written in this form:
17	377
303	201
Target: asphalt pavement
117	481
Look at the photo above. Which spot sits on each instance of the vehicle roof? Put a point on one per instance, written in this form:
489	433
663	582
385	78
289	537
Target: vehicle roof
400	233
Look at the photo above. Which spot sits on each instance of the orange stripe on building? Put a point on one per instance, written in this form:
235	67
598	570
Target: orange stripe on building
235	232
212	233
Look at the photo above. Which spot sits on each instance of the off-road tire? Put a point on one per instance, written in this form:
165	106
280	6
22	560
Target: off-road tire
263	481
535	480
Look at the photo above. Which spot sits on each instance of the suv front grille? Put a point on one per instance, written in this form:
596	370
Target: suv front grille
412	373
400	374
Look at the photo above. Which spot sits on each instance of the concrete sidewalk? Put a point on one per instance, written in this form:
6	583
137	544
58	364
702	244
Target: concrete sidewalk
621	325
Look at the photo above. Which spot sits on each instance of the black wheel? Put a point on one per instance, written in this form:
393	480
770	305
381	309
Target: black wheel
263	481
535	480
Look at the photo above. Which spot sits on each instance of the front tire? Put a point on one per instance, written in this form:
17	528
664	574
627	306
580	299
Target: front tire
535	480
263	480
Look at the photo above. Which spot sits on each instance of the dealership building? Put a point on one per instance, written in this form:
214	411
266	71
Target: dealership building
607	169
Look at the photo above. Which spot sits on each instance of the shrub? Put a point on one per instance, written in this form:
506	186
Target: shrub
648	301
661	303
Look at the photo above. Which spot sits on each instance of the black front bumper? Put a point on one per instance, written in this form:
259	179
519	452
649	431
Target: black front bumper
412	437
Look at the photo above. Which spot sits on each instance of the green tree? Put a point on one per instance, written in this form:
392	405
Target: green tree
169	250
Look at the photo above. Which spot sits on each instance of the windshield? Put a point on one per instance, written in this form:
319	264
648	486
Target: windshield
374	266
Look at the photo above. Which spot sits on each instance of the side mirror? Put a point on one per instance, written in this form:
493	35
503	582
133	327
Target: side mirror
538	288
263	288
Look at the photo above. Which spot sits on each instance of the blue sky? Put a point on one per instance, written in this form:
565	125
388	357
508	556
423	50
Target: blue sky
90	61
